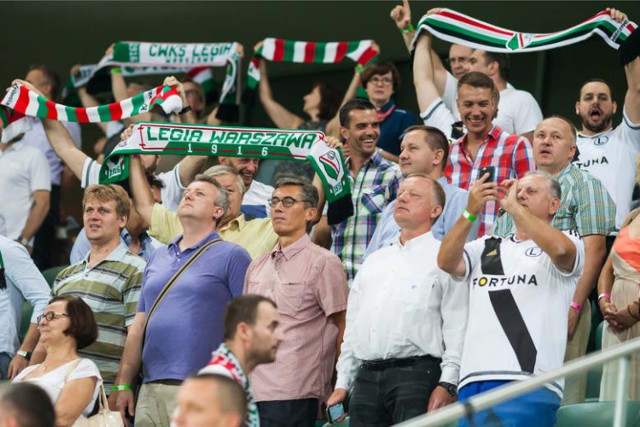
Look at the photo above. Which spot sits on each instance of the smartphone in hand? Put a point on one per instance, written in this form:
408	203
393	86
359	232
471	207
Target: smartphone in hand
491	170
335	412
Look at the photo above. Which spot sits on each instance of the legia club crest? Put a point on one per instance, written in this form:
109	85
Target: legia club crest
330	163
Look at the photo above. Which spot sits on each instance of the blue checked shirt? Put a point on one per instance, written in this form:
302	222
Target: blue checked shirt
373	188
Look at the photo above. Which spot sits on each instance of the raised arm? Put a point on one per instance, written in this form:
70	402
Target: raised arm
282	117
141	191
451	254
423	77
333	127
401	15
87	100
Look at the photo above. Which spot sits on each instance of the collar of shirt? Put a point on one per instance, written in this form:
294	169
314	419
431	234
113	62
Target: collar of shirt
115	255
292	249
237	223
386	110
18	145
376	159
174	247
492	136
564	171
409	244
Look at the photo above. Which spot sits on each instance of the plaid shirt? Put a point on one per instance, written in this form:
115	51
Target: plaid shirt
511	155
585	206
373	188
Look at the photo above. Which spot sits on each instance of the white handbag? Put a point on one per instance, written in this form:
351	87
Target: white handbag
104	418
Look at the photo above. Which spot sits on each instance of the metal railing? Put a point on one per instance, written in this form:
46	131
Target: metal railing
517	388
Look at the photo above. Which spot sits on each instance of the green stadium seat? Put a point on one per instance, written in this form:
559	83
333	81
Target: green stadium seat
596	414
344	423
50	273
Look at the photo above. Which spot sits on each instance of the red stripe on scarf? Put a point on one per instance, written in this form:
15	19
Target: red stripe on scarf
367	56
115	109
310	52
81	114
278	54
474	23
341	51
52	113
23	99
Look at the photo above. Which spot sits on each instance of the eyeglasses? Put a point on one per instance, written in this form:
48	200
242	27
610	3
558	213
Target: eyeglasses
49	316
287	202
381	80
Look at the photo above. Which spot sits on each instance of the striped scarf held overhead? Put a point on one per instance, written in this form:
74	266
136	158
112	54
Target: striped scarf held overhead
20	101
455	27
279	50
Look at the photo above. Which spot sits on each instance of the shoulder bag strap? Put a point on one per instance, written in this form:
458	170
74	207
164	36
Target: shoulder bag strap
71	368
167	287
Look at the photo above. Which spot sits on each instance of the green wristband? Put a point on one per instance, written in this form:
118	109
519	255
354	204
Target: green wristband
116	70
121	387
360	68
409	29
469	216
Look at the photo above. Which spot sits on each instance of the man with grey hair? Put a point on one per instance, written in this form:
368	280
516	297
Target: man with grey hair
180	333
309	286
256	236
405	320
519	290
585	207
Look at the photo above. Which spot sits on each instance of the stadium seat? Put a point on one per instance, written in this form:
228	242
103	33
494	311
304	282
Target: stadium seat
344	423
51	273
596	414
27	311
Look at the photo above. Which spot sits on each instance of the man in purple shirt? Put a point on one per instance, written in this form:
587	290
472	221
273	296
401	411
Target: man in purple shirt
186	326
309	286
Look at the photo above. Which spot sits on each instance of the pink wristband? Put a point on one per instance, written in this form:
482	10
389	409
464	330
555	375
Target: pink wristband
575	305
604	295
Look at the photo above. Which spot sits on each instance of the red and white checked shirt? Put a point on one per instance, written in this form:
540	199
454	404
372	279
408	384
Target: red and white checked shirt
511	155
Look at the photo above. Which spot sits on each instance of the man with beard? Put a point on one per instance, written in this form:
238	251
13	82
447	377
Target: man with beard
607	153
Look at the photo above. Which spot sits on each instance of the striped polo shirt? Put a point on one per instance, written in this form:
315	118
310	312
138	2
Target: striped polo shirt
111	289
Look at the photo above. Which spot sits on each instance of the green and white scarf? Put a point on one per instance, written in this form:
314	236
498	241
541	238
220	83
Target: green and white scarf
194	59
455	27
24	101
260	143
279	50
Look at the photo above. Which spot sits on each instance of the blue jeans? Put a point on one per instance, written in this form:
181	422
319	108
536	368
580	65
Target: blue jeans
537	408
5	360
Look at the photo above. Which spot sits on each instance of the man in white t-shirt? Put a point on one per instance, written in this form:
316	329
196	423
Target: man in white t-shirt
606	152
520	287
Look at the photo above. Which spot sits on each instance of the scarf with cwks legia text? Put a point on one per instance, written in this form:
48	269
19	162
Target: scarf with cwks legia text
225	358
20	102
279	50
260	143
194	59
455	27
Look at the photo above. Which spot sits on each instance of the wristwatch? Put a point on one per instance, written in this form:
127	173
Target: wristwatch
24	353
452	389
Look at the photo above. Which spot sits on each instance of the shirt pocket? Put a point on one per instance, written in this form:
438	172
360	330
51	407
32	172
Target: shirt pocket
375	200
289	297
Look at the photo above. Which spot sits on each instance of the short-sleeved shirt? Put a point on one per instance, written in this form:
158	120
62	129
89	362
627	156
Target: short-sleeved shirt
372	189
585	206
308	284
187	325
170	194
518	311
53	382
23	170
511	155
610	156
256	236
255	202
393	126
24	282
112	289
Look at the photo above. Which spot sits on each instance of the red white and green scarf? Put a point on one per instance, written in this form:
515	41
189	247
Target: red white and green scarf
194	59
261	143
455	27
279	50
225	358
20	101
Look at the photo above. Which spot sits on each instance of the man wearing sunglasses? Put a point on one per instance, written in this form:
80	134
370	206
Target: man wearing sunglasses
309	285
